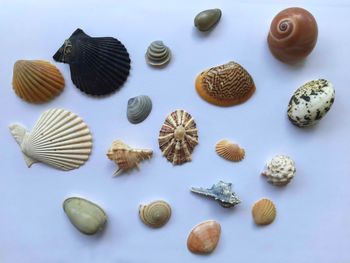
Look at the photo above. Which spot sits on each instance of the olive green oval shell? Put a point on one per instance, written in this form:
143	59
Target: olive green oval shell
207	19
156	214
86	216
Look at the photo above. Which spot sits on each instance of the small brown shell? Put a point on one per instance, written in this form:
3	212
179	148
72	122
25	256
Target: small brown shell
204	237
126	157
36	81
230	151
264	212
293	34
225	85
155	214
178	137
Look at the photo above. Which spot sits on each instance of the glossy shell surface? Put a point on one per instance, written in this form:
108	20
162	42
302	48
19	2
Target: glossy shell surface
98	65
280	170
60	139
85	215
204	237
178	136
125	157
229	151
207	19
37	81
225	85
155	214
158	54
264	212
139	108
311	102
293	34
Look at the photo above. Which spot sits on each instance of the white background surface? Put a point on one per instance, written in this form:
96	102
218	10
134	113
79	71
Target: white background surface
313	222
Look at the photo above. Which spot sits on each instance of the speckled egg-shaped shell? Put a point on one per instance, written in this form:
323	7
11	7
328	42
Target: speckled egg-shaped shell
207	19
204	237
225	85
264	212
155	214
280	170
311	102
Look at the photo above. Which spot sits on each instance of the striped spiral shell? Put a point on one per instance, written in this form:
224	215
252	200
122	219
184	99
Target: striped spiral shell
156	214
158	54
264	212
37	81
230	151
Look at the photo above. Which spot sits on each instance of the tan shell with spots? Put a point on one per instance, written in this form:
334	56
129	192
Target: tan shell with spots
229	151
264	212
37	81
225	85
178	137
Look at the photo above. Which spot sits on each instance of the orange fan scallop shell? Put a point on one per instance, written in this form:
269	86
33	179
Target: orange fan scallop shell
37	81
230	151
264	212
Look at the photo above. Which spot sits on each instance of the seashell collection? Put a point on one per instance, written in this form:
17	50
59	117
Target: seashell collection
100	66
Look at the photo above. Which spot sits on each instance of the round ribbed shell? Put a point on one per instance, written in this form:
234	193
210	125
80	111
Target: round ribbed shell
280	170
139	108
155	214
178	137
36	81
60	139
98	65
229	151
158	54
264	212
225	85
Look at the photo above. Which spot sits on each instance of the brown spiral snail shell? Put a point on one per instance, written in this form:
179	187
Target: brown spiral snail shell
293	34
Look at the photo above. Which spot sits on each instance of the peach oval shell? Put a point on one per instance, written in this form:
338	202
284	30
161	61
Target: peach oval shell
293	34
229	151
225	85
178	137
204	237
264	212
37	81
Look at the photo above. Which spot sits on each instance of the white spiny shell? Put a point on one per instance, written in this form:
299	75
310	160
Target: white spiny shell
280	170
60	139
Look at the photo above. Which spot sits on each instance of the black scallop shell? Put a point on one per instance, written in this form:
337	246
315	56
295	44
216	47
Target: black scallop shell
98	65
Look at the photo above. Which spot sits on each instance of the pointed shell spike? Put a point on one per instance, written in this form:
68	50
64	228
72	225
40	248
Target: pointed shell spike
155	214
264	212
126	157
229	151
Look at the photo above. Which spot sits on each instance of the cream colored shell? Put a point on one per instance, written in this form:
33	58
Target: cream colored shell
37	81
60	139
280	170
126	157
229	151
264	212
156	214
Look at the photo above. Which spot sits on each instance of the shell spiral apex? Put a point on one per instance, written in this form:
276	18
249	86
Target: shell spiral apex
158	54
178	136
37	81
293	34
156	214
280	170
225	85
60	139
139	108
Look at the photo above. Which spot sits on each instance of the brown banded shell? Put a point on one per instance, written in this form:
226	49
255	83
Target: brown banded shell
156	214
229	151
204	237
293	34
225	85
126	157
264	212
36	81
178	137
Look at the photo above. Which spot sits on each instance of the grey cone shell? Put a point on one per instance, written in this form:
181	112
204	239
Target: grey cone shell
158	54
139	108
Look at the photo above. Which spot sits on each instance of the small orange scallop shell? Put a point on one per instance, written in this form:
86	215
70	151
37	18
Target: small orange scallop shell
230	151
204	237
264	212
37	81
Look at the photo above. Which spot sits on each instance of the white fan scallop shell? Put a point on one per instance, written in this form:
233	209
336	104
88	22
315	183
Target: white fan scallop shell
60	139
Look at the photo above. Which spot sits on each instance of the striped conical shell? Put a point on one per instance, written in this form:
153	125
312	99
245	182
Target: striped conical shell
60	139
230	151
264	212
36	81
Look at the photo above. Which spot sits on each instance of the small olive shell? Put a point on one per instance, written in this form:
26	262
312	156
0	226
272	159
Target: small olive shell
264	212
86	216
206	19
156	214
